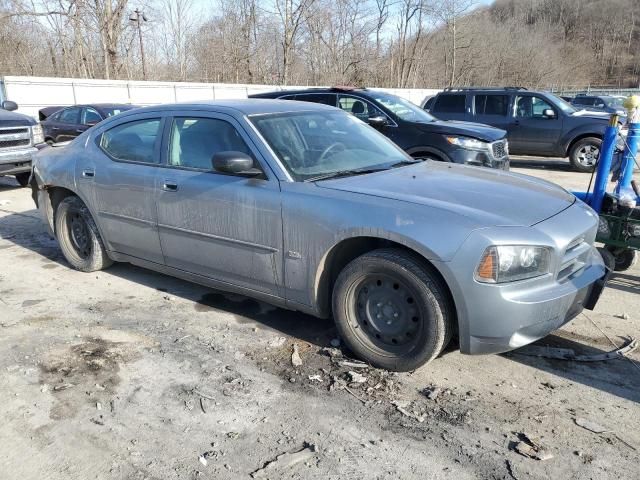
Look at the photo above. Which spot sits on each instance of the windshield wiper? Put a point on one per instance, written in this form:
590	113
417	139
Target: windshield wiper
402	163
344	173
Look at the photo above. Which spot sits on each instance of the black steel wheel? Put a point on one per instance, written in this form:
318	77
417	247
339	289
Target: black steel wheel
392	310
78	236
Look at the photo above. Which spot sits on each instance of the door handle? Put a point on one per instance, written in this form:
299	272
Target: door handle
88	173
169	186
55	128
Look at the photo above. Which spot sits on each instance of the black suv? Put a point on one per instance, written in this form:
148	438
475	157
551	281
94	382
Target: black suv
538	123
410	127
601	103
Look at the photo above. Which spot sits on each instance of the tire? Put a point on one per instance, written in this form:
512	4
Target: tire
392	311
23	178
608	258
584	154
78	236
624	259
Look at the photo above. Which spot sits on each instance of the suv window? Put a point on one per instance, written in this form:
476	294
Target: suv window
324	98
133	141
358	107
531	107
450	104
491	104
194	141
69	115
90	115
588	101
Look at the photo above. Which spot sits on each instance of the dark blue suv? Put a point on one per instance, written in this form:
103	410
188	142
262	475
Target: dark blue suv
537	123
415	131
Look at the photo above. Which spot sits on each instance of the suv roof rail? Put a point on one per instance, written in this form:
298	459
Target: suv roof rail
466	89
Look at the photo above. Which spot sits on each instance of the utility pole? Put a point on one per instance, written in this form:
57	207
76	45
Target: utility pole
138	17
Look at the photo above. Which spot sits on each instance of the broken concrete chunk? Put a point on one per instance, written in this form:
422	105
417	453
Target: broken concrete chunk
623	316
591	426
315	378
202	460
531	448
402	406
351	364
285	460
355	377
277	342
331	352
296	361
432	393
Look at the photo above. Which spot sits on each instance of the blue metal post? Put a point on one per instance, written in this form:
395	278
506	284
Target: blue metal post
604	164
628	158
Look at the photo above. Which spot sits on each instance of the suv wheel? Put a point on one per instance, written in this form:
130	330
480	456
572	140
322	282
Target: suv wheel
78	236
392	311
584	154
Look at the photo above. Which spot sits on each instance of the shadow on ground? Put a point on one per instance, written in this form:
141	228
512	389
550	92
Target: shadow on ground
624	282
538	163
617	377
27	230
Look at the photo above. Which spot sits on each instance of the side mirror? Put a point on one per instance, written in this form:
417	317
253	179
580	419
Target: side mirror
377	122
549	113
234	162
9	105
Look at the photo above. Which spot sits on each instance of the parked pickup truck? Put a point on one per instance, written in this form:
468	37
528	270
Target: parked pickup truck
20	136
537	123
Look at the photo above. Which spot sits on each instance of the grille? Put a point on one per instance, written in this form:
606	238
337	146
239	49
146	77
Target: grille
7	131
14	143
575	259
498	149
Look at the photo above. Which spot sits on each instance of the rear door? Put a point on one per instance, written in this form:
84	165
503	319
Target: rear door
530	131
65	126
123	175
222	226
450	106
492	109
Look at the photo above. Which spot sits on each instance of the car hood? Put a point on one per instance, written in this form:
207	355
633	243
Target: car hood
592	114
486	196
13	119
468	129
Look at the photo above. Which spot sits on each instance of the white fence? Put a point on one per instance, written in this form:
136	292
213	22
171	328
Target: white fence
34	93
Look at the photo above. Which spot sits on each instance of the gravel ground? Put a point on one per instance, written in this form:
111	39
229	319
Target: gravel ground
128	374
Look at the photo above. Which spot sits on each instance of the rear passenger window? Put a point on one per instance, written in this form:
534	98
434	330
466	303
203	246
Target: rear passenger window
324	98
450	104
133	141
491	104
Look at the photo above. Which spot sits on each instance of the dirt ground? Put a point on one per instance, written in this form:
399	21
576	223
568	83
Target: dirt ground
128	374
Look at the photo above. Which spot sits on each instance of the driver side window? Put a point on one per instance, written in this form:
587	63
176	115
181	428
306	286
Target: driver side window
358	107
531	107
194	141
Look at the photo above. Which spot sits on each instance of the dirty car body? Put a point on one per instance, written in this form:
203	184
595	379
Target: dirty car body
287	229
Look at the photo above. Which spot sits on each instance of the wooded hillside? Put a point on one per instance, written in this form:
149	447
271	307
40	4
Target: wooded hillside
386	43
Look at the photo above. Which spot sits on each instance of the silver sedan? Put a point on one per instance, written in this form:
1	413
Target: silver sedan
306	207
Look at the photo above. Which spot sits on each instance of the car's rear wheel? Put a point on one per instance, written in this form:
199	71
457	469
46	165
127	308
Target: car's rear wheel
78	236
391	310
584	154
23	178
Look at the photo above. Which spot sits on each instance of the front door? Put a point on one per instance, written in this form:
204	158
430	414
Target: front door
226	227
123	173
531	131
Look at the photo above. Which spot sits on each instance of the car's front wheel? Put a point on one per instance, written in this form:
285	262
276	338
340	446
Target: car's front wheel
391	310
584	154
79	237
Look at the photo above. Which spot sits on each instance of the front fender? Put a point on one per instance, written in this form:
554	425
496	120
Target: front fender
589	130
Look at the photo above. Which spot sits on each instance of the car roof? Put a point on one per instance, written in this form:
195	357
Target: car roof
280	93
250	106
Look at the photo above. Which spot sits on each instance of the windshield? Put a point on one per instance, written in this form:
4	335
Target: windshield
312	144
614	102
402	108
563	105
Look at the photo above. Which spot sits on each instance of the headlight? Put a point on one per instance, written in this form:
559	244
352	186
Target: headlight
508	263
468	143
36	134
